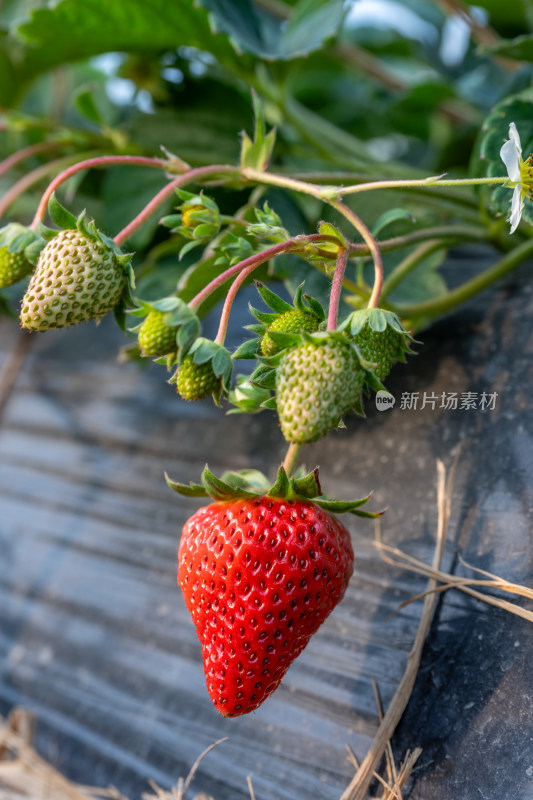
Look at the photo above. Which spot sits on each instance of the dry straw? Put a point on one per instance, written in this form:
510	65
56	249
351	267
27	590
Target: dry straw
24	775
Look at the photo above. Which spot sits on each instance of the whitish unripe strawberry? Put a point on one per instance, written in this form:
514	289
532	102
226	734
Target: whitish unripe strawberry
317	383
77	278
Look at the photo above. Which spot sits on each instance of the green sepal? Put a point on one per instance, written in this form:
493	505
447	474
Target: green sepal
44	232
263	316
190	490
60	216
285	340
248	349
171	221
308	485
188	247
220	490
273	300
250	483
204	350
315	307
257	329
19	239
270	404
246	479
265	379
247	398
119	312
282	487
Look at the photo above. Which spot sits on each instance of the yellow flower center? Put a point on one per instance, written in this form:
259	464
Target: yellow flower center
526	177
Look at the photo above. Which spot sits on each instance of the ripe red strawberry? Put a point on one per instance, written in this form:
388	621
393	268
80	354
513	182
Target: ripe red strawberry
260	573
259	577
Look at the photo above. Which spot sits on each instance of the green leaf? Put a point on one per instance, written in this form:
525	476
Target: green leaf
388	217
85	102
70	30
311	22
519	49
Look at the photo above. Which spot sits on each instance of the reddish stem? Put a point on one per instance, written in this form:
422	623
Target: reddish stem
228	302
33	177
26	152
336	289
188	177
372	245
99	161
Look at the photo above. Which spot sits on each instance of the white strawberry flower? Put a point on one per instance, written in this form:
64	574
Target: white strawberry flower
520	174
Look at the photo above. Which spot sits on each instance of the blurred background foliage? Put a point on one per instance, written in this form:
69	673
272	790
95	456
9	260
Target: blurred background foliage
360	89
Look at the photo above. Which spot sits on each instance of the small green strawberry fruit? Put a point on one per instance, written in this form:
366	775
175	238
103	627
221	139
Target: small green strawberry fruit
13	267
156	338
78	277
306	314
167	327
293	321
380	338
317	383
196	381
205	368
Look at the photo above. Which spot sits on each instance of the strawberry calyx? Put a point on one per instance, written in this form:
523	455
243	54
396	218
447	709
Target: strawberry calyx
198	219
177	315
305	311
19	239
250	483
208	353
378	319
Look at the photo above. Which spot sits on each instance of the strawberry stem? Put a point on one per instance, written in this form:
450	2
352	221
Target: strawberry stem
182	180
295	245
99	161
372	245
32	150
228	302
336	289
291	458
33	177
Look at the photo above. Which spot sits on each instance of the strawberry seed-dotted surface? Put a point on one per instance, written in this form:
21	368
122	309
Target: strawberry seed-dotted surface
259	578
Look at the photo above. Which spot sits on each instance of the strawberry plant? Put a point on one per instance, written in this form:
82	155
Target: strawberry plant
170	215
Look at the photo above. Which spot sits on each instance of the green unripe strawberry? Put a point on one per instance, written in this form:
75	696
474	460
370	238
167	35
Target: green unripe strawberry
379	347
292	321
13	267
317	383
77	278
380	338
196	381
155	337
